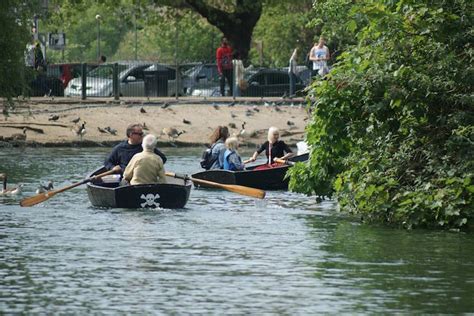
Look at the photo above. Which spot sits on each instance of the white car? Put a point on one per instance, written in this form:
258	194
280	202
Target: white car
131	77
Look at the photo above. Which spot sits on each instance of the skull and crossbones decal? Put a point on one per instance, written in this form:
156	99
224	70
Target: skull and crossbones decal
150	200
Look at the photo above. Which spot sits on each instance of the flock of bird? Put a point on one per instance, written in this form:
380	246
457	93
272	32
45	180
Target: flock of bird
18	189
172	133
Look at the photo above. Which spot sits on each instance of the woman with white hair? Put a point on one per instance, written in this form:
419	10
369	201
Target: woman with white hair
273	147
232	160
145	167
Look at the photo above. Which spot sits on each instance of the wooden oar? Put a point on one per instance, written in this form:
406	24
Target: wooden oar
239	189
283	161
47	195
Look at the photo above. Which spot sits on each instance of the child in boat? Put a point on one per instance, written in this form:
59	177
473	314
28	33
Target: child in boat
232	160
145	167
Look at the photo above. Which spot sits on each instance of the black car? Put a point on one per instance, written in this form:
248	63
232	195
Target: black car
270	83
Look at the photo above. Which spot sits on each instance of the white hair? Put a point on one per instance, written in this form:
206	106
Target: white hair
232	143
272	130
149	142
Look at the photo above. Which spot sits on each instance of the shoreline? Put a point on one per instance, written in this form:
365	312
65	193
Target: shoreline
54	122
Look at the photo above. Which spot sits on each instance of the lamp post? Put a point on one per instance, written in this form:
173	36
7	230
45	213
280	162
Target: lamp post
98	17
135	29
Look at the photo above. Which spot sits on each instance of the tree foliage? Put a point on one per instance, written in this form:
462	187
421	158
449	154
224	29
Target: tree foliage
392	132
282	27
15	24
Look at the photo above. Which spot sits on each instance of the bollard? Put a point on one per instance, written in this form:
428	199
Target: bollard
83	81
115	82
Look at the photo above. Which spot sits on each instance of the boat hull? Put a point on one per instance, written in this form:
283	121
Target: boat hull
173	194
264	179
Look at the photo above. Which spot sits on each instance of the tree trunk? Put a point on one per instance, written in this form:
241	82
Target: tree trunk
237	26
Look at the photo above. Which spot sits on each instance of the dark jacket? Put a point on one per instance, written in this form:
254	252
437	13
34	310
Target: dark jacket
122	154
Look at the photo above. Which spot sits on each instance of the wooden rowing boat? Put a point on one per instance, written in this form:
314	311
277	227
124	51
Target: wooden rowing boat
107	192
254	177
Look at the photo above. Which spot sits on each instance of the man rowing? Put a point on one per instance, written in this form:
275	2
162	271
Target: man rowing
123	152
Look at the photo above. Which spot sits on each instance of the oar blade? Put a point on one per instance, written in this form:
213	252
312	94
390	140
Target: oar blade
252	192
36	199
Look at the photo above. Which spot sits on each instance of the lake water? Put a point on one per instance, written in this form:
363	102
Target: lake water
223	254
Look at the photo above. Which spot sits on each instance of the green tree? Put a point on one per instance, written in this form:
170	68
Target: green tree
15	24
392	131
282	27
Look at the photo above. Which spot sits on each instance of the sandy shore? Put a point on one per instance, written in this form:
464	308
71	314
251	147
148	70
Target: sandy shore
49	122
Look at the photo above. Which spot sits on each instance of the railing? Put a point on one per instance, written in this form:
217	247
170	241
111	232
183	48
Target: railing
152	79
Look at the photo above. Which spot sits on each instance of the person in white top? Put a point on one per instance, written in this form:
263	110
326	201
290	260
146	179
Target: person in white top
319	54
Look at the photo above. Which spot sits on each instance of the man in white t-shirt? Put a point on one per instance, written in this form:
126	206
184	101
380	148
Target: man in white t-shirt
319	54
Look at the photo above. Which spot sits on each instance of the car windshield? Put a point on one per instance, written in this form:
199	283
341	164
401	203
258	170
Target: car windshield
105	71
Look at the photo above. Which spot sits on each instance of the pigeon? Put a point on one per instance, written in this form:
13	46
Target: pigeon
101	130
111	130
76	120
232	103
142	110
164	106
232	125
290	123
233	115
255	108
215	106
185	121
53	117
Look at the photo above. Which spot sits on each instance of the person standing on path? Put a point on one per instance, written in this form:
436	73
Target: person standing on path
319	54
224	65
292	72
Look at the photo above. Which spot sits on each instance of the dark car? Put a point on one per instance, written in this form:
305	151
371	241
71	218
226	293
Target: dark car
270	83
44	85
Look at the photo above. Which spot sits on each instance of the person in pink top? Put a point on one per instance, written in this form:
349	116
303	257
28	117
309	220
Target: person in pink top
224	65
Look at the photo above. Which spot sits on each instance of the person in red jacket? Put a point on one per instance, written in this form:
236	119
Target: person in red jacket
224	65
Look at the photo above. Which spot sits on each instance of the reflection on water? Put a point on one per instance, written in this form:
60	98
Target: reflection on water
223	253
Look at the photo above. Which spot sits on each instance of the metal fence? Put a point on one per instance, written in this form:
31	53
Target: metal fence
153	79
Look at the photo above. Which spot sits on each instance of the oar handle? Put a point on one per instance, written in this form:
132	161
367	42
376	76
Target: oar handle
177	175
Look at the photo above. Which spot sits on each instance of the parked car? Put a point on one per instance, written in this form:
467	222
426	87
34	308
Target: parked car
200	78
131	77
270	83
41	83
67	72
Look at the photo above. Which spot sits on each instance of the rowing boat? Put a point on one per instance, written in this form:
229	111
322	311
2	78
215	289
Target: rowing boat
254	176
107	192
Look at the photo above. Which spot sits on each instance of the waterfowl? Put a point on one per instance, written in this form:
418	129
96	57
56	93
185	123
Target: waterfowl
76	120
11	191
45	188
81	130
20	136
171	132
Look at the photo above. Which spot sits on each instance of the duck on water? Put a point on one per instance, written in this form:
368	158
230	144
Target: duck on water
9	191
